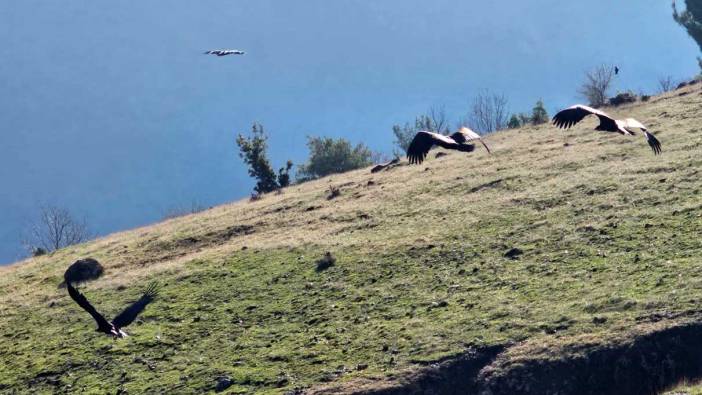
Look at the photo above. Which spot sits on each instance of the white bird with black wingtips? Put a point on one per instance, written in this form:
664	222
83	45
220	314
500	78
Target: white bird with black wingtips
224	52
572	115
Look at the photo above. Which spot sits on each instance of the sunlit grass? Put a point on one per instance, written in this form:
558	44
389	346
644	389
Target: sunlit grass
608	232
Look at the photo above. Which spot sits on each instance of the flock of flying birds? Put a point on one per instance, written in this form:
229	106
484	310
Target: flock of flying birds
416	153
459	141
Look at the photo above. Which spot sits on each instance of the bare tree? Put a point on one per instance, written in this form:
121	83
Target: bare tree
596	86
55	229
435	120
488	113
665	84
438	121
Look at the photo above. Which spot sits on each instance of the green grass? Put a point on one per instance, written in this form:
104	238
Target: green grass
686	389
609	234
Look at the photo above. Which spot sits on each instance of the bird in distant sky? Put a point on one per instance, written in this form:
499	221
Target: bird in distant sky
423	141
616	70
572	115
224	52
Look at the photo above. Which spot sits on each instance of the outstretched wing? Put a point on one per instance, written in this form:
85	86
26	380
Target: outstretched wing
572	115
650	138
653	142
422	143
78	297
465	135
129	314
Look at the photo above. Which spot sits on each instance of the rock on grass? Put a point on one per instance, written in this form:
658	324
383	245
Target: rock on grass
326	262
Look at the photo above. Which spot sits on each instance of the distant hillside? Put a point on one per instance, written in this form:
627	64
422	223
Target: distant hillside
565	260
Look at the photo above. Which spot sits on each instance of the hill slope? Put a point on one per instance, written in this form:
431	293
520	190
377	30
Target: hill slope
421	287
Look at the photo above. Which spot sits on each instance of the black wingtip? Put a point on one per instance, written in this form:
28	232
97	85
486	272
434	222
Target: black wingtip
415	159
653	142
152	290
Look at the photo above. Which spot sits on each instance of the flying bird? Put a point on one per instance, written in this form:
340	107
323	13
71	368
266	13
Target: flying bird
126	317
616	70
224	52
572	115
423	141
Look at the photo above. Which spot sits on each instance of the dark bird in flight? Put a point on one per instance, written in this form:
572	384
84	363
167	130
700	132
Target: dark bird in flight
224	52
572	115
423	141
126	317
616	70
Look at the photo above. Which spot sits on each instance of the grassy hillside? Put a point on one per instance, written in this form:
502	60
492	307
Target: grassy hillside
609	235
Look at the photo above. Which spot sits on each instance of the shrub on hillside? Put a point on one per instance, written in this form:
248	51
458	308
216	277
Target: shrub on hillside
330	156
37	251
253	150
539	114
514	122
622	98
333	192
519	120
284	175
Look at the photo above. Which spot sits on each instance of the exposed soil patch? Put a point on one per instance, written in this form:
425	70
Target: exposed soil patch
452	376
386	166
491	184
165	250
282	208
232	231
646	364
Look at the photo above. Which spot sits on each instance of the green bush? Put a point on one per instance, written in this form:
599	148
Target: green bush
284	175
539	114
330	156
253	150
514	122
518	120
